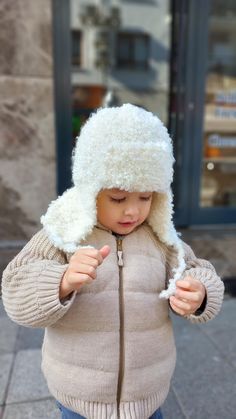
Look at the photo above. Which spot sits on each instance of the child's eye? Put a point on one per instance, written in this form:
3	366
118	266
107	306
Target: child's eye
117	200
145	198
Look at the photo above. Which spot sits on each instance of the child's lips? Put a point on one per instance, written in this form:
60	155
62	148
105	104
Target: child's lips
128	223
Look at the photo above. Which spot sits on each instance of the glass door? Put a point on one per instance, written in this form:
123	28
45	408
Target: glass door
218	174
209	134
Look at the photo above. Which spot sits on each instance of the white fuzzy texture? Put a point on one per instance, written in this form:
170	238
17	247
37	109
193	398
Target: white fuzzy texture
177	272
126	148
68	220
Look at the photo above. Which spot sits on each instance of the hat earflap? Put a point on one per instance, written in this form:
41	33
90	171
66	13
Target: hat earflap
160	219
70	218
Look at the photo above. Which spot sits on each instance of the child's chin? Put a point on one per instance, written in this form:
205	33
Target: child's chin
124	229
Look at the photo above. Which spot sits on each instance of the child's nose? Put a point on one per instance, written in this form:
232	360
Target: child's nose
131	210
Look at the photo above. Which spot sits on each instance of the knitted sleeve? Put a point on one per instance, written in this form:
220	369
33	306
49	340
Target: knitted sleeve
30	284
205	272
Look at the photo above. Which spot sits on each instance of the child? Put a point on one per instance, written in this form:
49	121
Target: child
96	275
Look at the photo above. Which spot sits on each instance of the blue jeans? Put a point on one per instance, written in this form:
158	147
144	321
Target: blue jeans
68	414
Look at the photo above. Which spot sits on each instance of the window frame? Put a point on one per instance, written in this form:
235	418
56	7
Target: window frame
76	36
131	63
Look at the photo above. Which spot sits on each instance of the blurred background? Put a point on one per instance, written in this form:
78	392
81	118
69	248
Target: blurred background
62	59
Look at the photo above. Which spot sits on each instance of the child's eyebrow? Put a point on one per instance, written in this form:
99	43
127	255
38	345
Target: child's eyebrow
122	194
117	190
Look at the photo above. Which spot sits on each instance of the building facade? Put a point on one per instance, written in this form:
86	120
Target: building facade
27	134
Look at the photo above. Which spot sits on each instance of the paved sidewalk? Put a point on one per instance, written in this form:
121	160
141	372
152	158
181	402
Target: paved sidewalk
203	387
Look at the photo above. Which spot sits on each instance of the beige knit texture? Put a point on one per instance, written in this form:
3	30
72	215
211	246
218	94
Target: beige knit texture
81	349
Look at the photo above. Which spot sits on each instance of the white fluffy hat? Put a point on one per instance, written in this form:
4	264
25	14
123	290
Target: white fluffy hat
123	147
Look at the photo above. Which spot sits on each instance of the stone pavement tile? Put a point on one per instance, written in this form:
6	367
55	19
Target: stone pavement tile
5	368
29	338
171	408
43	409
222	330
203	381
2	310
8	335
27	382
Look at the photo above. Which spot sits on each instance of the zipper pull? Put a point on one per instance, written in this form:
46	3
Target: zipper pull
120	253
120	258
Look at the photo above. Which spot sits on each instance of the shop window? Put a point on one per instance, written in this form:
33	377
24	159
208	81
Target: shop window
133	51
223	8
218	180
76	48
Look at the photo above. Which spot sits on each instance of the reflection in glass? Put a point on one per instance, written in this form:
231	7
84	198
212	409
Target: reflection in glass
218	185
120	54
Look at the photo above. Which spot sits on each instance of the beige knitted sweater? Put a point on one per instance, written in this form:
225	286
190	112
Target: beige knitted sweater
108	350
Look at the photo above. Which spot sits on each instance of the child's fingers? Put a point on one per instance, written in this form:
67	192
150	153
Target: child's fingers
82	268
183	283
104	251
86	260
77	279
91	252
189	283
186	295
180	304
176	307
72	281
87	270
87	252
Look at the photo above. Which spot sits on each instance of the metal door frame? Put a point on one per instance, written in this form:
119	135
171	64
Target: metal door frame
62	91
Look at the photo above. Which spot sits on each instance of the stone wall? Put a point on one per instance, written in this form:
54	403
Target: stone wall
27	137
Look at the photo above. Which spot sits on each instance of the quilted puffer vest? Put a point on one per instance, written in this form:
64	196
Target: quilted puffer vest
118	351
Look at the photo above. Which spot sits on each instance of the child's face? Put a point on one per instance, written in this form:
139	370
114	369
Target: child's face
122	211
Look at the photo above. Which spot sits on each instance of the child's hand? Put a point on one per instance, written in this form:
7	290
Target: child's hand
188	297
82	269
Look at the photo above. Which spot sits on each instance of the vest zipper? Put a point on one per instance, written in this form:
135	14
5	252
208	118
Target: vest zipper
121	310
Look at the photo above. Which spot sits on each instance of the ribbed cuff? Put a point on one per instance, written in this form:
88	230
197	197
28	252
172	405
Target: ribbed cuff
48	293
214	292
